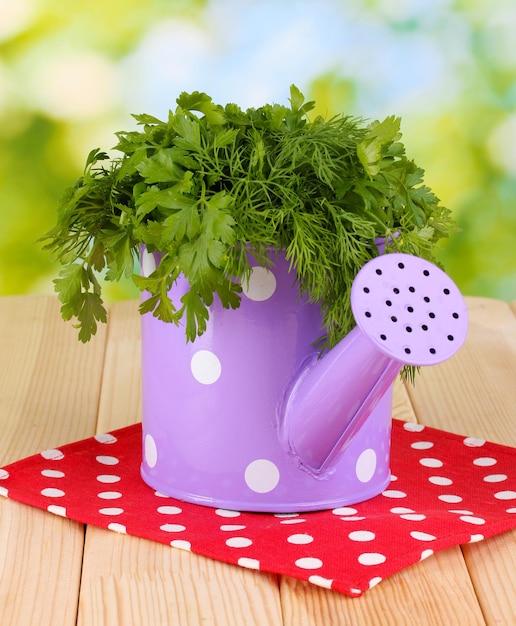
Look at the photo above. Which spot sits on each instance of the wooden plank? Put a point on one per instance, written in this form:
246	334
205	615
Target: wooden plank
49	388
49	381
475	394
426	593
127	580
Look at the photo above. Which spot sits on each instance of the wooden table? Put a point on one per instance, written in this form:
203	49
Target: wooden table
54	390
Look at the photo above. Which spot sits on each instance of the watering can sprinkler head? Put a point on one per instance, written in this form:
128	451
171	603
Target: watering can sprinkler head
410	309
408	312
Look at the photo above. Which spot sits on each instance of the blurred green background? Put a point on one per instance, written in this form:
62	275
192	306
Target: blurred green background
71	74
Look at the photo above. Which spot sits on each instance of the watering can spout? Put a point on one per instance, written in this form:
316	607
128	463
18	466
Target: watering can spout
408	312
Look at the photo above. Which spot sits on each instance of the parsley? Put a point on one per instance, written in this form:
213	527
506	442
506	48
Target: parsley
211	183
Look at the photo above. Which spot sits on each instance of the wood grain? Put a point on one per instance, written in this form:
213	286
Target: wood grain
474	394
127	580
424	594
55	390
49	388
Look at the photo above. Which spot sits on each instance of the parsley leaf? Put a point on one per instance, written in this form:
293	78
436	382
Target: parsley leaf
212	183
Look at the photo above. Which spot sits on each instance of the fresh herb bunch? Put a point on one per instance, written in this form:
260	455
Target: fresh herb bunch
212	183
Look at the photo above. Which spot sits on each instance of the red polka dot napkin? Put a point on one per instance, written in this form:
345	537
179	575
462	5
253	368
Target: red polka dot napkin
445	490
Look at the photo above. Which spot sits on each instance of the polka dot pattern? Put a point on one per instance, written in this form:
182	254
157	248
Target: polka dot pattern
261	284
469	494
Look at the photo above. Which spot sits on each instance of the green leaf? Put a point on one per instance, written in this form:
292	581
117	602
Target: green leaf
376	143
185	221
229	294
194	261
196	314
217	222
68	285
198	101
225	137
160	168
94	156
189	130
143	118
90	311
170	198
296	98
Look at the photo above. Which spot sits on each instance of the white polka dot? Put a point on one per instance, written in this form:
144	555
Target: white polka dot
106	438
361	535
206	367
440	480
261	285
169	510
511	510
366	465
118	528
298	520
320	581
411	427
148	263
4	492
416	534
505	495
262	476
111	511
158	494
393	493
472	520
109	495
460	512
57	510
375	581
227	513
182	544
450	498
4	474
108	478
286	514
239	542
422	445
495	478
476	538
426	553
52	455
107	460
249	563
473	442
401	510
353	518
431	462
52	473
393	478
372	558
151	450
345	510
301	539
484	461
232	527
309	562
413	517
172	528
51	492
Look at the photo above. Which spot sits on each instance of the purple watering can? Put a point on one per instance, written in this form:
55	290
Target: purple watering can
248	417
